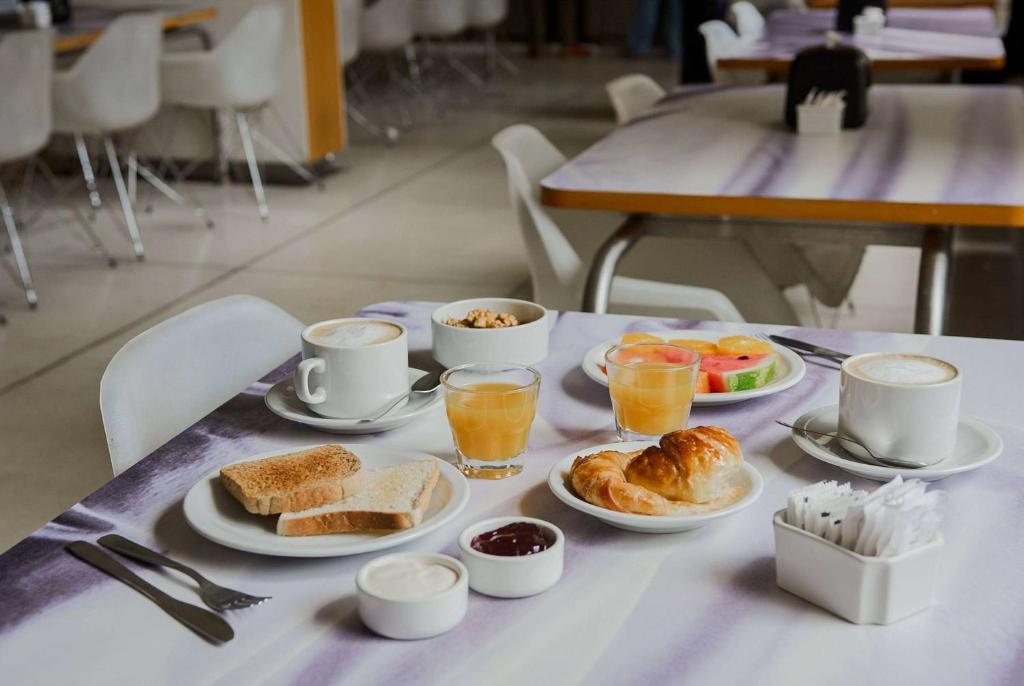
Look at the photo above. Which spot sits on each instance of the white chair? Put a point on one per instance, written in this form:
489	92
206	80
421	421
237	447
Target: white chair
111	88
487	16
632	95
348	17
557	273
749	20
238	78
444	20
719	41
171	376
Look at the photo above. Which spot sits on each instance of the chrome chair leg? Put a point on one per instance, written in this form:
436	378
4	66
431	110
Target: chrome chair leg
460	67
126	203
286	159
150	177
250	158
18	250
88	175
83	223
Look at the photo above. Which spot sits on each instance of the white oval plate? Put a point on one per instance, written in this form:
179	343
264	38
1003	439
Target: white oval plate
216	515
282	401
790	371
977	444
750	479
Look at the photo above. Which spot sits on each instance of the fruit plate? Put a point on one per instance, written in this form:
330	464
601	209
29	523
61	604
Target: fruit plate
216	515
749	479
789	371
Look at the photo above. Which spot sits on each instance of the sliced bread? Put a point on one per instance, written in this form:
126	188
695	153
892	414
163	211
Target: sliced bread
296	481
392	498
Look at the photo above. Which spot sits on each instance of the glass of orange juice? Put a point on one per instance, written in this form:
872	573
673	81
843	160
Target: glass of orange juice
652	386
490	410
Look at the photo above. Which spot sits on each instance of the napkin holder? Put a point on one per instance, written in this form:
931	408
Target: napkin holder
830	68
848	10
858	588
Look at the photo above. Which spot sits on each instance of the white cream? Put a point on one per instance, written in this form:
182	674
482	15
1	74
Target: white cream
352	334
904	369
410	579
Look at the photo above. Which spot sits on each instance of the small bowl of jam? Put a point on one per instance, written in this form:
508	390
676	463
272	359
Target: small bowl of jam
512	557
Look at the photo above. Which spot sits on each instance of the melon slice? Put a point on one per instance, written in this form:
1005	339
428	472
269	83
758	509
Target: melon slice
728	373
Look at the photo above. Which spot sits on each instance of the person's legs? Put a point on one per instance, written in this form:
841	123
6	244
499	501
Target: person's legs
568	17
673	25
641	27
538	27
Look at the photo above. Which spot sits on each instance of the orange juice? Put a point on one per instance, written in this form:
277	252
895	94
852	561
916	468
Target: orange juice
651	387
491	421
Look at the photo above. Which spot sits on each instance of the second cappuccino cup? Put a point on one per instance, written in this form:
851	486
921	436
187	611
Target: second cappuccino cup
900	406
352	367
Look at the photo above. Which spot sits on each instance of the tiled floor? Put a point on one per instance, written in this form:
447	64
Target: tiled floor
426	219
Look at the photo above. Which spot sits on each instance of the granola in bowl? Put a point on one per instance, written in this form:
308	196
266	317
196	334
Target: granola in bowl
484	319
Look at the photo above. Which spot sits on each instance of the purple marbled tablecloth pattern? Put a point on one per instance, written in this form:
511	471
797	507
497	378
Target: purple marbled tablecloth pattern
696	608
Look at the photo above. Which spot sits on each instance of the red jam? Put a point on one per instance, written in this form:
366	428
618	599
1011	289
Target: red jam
514	540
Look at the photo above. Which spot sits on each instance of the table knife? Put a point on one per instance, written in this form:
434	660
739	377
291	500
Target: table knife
808	347
203	622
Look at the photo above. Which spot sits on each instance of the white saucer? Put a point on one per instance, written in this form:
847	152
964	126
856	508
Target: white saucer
790	367
977	444
216	515
749	479
282	401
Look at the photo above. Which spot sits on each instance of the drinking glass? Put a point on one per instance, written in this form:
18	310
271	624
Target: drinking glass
490	410
652	386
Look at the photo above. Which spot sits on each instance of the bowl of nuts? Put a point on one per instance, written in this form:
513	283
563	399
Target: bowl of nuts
490	330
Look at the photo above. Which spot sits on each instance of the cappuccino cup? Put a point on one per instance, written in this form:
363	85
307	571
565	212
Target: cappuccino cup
352	367
900	405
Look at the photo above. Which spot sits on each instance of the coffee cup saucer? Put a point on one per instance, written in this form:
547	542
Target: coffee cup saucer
282	401
977	444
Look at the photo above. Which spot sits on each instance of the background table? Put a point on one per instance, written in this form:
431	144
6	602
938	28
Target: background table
929	157
87	24
700	607
915	38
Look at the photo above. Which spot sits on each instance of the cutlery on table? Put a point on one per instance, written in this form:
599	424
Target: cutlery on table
217	597
875	459
802	346
425	385
202	621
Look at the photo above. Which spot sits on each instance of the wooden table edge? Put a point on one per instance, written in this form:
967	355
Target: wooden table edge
80	41
781	64
879	211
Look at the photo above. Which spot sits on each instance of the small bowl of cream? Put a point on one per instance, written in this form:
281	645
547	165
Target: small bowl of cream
412	595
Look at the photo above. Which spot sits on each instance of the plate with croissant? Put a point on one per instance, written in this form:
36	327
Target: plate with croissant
732	368
686	480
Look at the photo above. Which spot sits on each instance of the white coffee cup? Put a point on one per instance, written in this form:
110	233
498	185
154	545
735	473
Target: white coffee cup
352	367
900	405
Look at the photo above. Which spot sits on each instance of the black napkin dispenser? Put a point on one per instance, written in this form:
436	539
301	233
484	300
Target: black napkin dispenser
830	68
848	9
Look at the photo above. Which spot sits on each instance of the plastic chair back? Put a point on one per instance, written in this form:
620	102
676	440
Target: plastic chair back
749	20
348	15
387	25
26	72
632	95
441	18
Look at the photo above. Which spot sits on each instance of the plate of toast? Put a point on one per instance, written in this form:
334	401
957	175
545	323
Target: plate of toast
326	500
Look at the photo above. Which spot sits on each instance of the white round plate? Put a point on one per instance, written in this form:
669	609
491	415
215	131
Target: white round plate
749	479
977	444
790	368
282	401
215	514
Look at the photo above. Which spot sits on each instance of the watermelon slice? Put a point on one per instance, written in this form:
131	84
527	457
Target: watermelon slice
727	373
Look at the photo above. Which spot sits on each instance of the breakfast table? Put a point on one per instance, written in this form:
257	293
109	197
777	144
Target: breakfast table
928	159
697	607
914	39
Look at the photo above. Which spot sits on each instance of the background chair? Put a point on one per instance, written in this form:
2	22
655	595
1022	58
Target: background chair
348	17
112	88
632	95
171	376
238	78
388	27
719	41
487	16
749	20
557	273
444	20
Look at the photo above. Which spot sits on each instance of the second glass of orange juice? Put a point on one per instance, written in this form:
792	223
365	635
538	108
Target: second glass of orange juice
652	386
491	409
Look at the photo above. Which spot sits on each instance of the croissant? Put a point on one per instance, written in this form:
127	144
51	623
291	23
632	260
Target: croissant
600	479
695	465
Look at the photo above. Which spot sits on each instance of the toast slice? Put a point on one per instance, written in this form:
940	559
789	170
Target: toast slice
296	481
392	498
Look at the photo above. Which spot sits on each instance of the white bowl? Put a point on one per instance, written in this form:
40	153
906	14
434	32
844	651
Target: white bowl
511	577
525	344
858	588
413	619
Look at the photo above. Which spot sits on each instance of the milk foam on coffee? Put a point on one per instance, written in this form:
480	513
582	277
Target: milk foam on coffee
353	334
904	369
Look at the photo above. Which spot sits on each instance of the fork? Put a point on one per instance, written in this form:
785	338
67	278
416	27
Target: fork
217	597
802	353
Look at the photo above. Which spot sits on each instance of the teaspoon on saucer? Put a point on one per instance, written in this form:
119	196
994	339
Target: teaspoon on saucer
872	458
424	386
